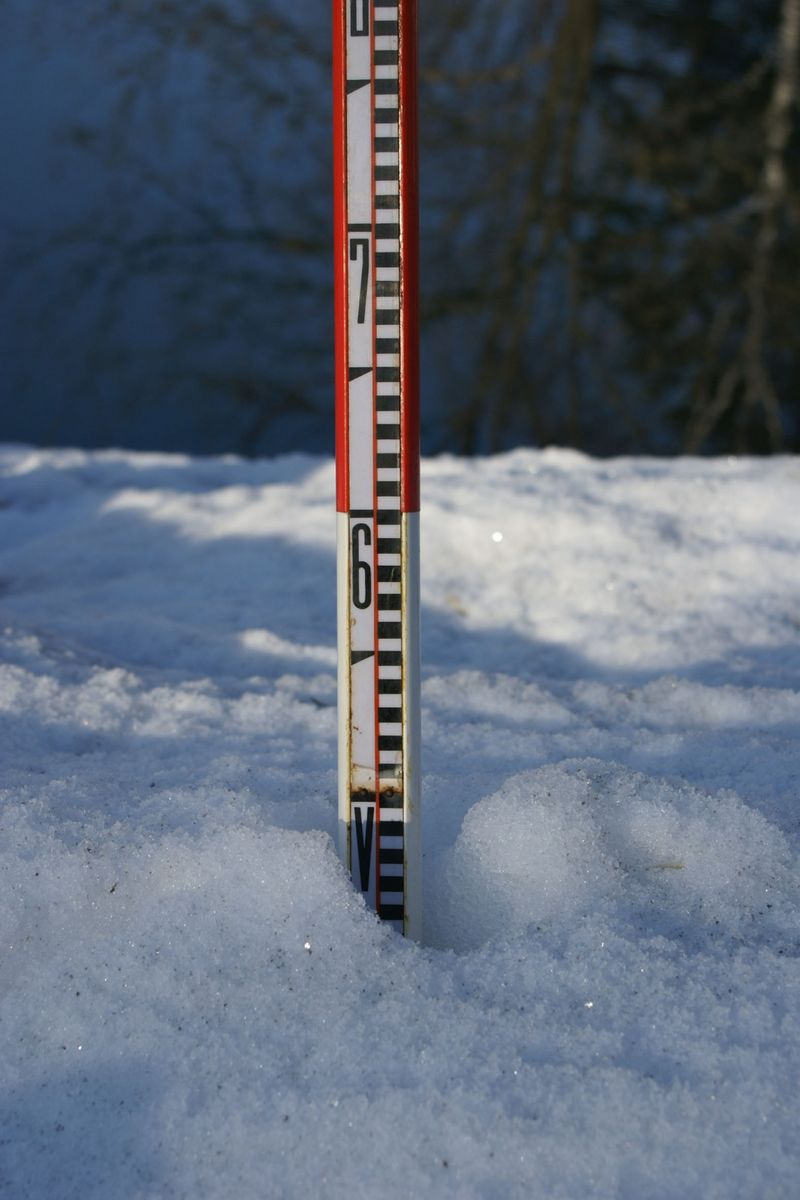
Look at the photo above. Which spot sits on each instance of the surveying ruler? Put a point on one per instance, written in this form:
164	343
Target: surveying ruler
377	452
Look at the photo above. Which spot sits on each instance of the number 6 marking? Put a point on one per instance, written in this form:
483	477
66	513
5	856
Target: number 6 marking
362	572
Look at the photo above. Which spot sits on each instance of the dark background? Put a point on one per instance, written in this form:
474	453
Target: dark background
611	201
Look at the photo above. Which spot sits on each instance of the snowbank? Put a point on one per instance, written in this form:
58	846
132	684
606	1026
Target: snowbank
193	1001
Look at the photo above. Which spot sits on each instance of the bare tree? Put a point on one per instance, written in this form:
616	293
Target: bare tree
748	376
695	246
508	117
200	260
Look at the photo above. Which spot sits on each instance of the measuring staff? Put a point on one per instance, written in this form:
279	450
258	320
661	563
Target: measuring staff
377	452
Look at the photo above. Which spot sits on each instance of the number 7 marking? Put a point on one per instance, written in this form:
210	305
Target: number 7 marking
362	244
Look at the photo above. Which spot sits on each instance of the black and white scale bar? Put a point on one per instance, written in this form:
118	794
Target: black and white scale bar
388	596
388	480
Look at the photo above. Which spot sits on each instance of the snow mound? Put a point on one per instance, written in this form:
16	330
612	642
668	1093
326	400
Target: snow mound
584	837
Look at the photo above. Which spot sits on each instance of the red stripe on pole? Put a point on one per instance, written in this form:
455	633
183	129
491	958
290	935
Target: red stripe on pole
409	249
340	253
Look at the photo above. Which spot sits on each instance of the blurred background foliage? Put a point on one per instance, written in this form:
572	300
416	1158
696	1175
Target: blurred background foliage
610	200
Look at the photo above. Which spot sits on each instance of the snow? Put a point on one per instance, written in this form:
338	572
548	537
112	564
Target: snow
194	1002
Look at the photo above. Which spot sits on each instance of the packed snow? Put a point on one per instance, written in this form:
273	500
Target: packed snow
194	1001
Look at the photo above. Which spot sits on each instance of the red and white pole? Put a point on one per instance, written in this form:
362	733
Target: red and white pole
377	452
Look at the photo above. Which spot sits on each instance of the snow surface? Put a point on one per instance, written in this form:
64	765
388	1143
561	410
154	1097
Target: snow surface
194	1002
